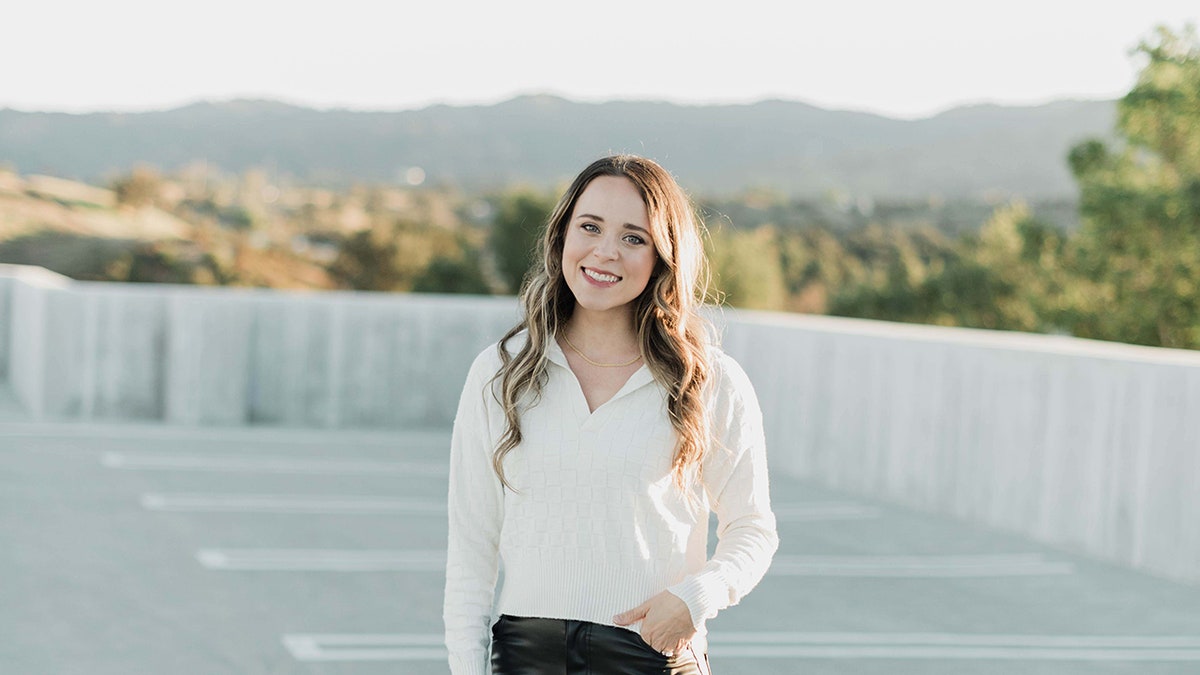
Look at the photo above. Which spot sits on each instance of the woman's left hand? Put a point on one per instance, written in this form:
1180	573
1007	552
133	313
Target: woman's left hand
666	622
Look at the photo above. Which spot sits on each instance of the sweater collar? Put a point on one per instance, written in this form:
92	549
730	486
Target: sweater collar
641	377
555	353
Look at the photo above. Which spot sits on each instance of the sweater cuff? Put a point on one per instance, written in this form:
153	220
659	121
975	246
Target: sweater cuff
702	593
474	662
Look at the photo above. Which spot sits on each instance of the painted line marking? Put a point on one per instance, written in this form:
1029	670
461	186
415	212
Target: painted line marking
767	645
423	438
400	560
242	464
288	504
367	647
913	566
960	639
321	560
820	511
356	505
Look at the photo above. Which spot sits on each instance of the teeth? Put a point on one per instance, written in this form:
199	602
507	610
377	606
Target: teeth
607	278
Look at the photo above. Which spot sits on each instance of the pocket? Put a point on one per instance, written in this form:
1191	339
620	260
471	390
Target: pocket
641	641
623	650
507	626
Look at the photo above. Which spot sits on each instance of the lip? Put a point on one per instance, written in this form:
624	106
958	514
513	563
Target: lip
595	282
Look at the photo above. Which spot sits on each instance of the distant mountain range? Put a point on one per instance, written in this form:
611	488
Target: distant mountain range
789	147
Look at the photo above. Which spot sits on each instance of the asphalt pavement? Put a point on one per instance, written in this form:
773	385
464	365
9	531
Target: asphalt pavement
146	549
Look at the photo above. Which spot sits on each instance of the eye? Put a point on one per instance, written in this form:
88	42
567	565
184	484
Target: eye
590	227
634	239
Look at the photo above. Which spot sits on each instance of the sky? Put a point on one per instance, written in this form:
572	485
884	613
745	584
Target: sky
900	58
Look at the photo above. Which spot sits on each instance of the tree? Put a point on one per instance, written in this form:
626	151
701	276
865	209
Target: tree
746	268
1140	204
1009	276
367	261
515	234
139	188
888	276
453	274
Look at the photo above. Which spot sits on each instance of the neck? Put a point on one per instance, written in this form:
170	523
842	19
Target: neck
603	335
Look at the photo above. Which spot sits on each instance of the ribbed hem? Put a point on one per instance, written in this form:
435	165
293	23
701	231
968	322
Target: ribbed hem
474	662
549	587
702	594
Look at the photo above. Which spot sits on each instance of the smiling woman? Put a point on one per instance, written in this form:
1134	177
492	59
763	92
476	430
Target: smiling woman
591	444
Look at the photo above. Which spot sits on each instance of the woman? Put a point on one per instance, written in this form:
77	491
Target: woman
590	445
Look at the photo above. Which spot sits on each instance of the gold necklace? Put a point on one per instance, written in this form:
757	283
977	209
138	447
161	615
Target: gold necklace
596	363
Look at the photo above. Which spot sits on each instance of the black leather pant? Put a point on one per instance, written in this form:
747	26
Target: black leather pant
525	646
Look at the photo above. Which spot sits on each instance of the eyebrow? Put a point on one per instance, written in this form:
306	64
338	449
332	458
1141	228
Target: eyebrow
592	216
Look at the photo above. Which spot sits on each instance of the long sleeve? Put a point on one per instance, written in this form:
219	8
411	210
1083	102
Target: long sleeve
735	481
476	504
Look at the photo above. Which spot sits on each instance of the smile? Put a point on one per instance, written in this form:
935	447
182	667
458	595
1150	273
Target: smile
601	276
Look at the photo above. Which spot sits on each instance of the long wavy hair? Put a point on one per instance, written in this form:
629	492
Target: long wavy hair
672	336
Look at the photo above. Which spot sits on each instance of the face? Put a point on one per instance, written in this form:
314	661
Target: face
608	253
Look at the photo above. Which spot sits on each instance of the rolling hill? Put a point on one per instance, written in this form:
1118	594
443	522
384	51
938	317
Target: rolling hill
789	147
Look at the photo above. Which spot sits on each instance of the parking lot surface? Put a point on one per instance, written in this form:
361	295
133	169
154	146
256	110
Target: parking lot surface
145	549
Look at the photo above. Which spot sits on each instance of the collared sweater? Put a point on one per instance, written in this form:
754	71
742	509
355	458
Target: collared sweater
594	524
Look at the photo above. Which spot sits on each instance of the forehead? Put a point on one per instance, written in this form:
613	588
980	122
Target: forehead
615	199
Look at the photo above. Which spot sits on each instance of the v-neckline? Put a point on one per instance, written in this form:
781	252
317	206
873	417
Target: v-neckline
638	378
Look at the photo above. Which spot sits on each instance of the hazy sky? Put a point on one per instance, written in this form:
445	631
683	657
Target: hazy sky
904	58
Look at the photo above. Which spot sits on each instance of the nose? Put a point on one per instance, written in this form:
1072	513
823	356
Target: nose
606	249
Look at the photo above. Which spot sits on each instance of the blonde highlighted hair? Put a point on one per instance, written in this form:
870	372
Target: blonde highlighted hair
672	335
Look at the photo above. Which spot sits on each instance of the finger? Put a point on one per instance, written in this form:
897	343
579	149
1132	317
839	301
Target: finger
636	614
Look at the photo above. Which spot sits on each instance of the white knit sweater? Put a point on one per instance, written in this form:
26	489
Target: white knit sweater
596	526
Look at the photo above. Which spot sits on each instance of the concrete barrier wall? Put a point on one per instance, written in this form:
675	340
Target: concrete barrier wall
208	356
1086	445
6	285
24	330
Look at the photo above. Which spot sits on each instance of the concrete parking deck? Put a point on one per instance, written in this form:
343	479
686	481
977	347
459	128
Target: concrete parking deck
148	549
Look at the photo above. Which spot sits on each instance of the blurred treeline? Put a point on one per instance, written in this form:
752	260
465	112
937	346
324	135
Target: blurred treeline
1129	271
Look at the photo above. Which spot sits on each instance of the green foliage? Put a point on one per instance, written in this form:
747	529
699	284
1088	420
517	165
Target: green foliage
161	263
1140	203
453	274
408	256
369	261
746	268
76	256
1010	276
238	218
898	275
516	231
104	259
139	188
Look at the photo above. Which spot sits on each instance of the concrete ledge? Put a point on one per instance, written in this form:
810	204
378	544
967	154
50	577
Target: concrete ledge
195	355
1082	444
18	331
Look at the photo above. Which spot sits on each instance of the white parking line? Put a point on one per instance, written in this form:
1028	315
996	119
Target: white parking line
260	464
928	566
423	438
298	504
960	639
771	645
358	505
322	560
820	511
399	560
366	647
366	506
